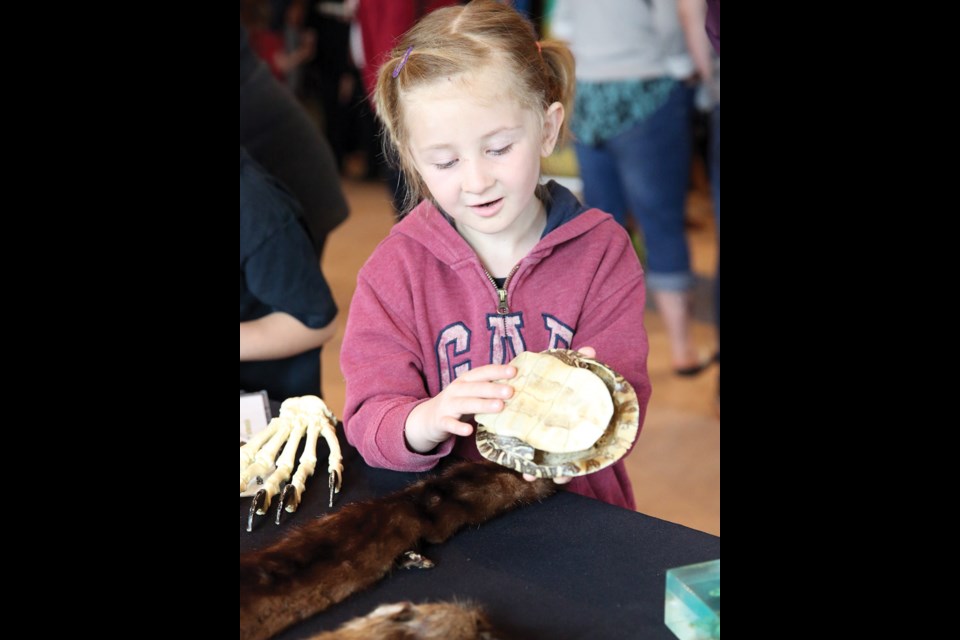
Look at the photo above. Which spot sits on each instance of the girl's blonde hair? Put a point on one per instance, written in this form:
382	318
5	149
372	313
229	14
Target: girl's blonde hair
461	40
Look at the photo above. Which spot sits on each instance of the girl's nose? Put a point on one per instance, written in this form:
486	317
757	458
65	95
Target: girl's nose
476	179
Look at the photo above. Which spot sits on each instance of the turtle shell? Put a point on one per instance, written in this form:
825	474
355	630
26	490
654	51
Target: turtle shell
569	416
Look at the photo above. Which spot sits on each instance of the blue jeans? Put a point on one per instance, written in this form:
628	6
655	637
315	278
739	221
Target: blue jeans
715	188
646	171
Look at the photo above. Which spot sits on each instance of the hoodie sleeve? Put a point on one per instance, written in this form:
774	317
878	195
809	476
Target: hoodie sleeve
382	363
613	323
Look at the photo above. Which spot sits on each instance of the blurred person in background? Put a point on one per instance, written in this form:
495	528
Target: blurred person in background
633	139
276	131
286	309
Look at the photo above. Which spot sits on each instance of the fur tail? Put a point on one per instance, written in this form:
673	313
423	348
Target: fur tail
331	558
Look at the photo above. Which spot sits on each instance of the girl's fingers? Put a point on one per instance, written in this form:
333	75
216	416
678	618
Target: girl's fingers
560	480
457	428
489	373
473	406
479	391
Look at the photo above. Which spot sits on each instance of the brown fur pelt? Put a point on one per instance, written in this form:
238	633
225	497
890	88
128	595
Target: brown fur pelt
407	621
335	556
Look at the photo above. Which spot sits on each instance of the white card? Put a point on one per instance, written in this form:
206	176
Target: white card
254	414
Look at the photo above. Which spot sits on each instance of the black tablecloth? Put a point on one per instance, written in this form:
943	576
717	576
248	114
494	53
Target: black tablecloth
566	568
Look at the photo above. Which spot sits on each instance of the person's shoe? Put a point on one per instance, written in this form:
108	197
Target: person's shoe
697	369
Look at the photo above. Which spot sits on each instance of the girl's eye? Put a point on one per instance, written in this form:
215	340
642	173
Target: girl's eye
446	165
500	152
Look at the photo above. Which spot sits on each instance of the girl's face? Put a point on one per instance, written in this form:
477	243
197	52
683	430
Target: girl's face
478	150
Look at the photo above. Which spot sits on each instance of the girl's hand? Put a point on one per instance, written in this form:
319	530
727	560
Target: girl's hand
588	352
439	418
557	480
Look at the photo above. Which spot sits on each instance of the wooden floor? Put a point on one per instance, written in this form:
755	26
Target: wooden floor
675	466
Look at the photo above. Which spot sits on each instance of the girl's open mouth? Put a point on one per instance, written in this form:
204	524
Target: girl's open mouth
488	208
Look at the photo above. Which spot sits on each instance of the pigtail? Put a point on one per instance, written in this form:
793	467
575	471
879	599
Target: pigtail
386	100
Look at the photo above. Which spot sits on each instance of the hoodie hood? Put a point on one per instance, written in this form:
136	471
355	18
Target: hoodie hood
562	207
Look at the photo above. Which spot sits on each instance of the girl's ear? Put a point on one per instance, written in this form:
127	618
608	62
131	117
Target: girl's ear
552	122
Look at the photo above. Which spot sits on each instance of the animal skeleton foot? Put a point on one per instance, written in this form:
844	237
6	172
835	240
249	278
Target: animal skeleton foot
259	462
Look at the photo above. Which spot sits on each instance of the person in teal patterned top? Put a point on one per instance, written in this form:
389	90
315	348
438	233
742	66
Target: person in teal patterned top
632	124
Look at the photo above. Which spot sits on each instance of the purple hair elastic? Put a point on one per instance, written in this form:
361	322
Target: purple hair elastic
396	71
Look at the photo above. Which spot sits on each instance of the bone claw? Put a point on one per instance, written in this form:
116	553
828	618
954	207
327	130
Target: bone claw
255	508
289	500
282	503
337	472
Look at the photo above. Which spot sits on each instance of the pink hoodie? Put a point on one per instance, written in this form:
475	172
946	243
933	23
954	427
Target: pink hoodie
424	312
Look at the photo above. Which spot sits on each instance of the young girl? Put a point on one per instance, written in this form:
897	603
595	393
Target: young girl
491	263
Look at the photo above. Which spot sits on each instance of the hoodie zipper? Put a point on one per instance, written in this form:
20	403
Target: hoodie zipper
502	308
